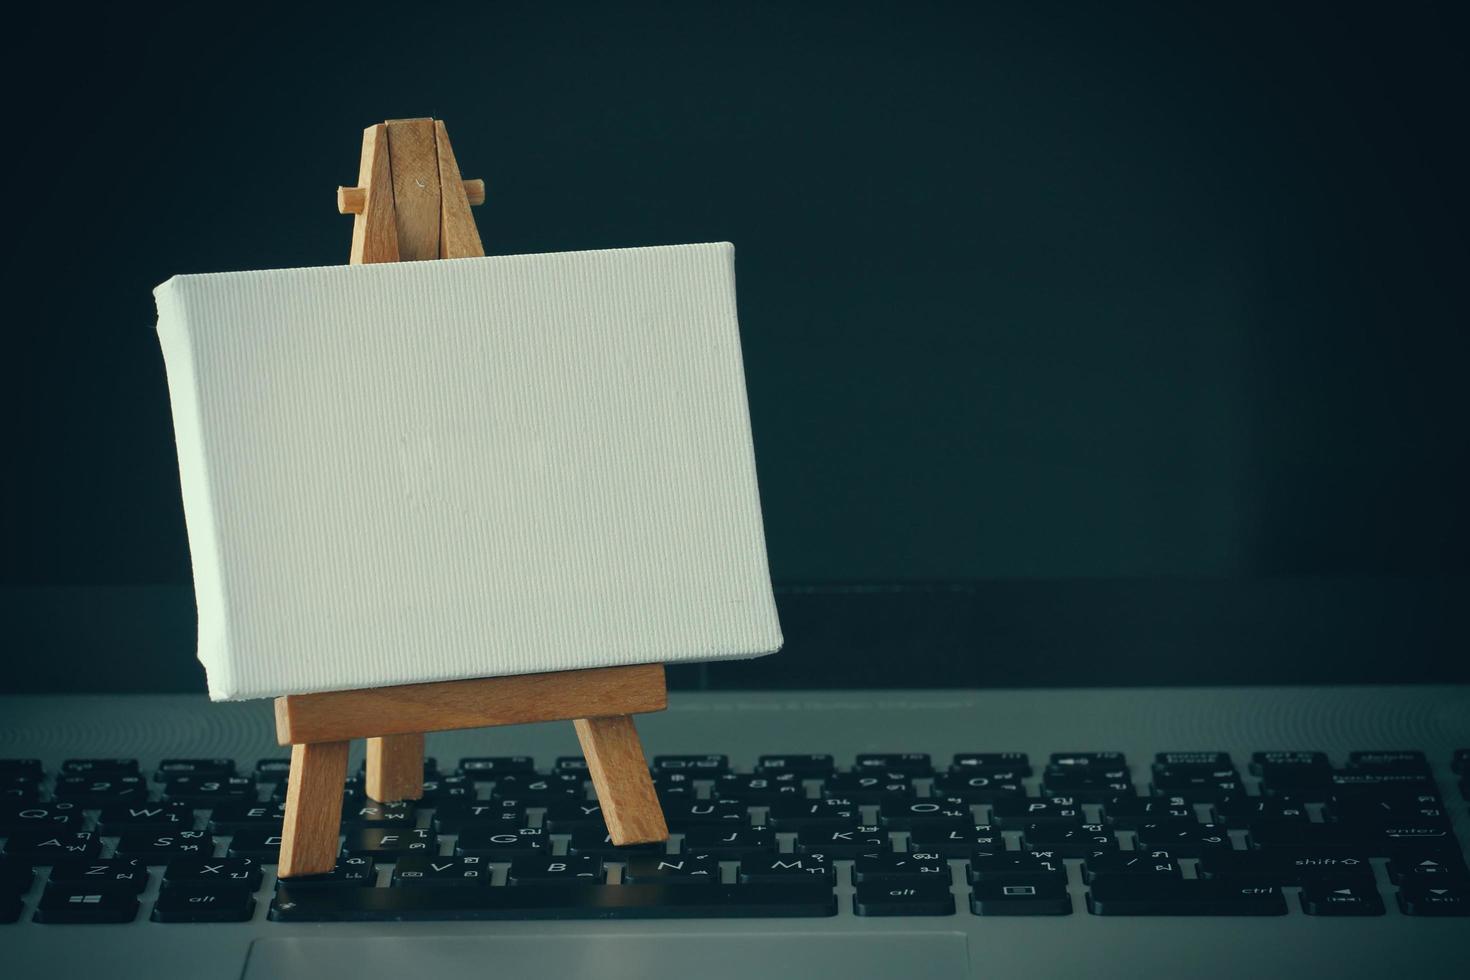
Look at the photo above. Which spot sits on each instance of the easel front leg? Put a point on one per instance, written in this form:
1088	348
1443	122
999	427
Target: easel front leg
313	809
620	775
395	768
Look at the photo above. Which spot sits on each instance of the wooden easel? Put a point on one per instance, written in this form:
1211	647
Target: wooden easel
411	203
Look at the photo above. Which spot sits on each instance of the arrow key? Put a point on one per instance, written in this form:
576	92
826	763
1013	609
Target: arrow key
1427	870
1339	898
1448	899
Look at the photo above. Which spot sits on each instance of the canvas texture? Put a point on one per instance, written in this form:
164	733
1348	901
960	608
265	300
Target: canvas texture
424	471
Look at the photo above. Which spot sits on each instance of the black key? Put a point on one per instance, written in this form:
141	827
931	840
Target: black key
952	841
132	818
652	869
566	816
789	899
803	814
849	842
1460	763
868	786
1435	900
504	844
1063	776
204	903
1405	760
676	786
905	814
111	872
1081	841
969	763
884	869
164	847
447	789
1088	760
431	769
701	766
387	842
593	843
706	813
1185	840
1353	839
1016	868
1197	785
15	876
403	813
912	764
574	764
350	872
100	789
260	845
1020	898
226	872
569	870
1018	814
784	868
1132	812
68	903
1282	868
1193	760
1153	864
899	899
486	767
730	842
1349	783
1341	898
1085	790
1421	870
761	788
1143	895
39	816
19	789
230	818
46	847
979	787
272	770
31	771
213	768
352	794
531	789
458	816
1300	774
804	766
1242	811
90	767
205	790
1407	810
418	870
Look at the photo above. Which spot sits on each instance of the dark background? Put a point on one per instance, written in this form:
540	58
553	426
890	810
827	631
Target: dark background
1140	328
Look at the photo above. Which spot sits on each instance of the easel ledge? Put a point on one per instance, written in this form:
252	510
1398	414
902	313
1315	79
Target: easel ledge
410	709
411	203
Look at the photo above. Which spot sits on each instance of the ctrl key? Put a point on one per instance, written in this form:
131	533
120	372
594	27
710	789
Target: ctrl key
78	903
903	900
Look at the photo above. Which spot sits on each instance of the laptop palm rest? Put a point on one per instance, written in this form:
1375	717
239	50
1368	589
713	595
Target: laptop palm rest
733	955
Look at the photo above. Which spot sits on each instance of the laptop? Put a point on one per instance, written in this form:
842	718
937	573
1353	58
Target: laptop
1114	826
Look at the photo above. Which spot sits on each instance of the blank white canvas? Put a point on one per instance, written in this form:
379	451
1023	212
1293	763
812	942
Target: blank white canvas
424	471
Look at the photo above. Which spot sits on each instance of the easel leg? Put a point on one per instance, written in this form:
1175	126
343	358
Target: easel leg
313	809
620	776
395	768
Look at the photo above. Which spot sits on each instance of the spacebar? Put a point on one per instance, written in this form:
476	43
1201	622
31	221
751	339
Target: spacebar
425	904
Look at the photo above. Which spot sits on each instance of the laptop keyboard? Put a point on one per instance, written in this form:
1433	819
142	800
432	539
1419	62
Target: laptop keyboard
799	835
